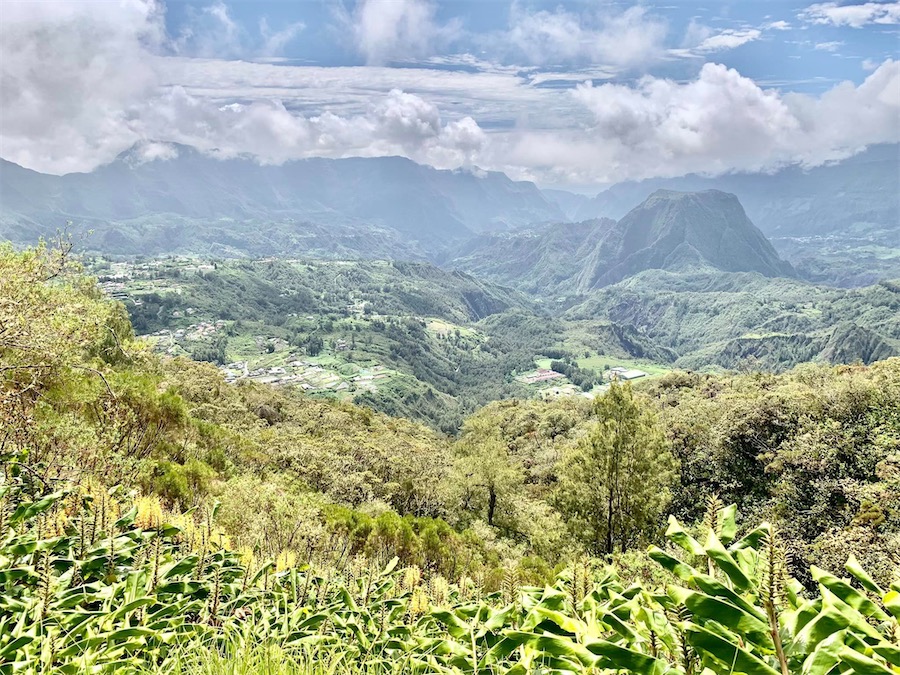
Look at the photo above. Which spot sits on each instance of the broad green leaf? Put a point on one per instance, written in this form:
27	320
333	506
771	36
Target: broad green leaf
721	655
677	534
848	594
862	665
858	573
725	562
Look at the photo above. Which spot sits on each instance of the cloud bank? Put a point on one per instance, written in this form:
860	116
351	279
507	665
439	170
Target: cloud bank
855	16
84	82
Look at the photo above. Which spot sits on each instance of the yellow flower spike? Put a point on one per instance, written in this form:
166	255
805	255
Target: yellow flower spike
440	590
418	603
286	560
248	557
411	578
59	523
149	513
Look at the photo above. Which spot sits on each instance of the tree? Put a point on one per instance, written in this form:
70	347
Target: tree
615	481
483	476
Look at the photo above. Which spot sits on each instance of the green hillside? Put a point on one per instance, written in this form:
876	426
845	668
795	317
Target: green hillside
157	519
746	320
408	339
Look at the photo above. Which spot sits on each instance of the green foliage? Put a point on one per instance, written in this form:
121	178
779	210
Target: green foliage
271	516
617	480
85	589
748	322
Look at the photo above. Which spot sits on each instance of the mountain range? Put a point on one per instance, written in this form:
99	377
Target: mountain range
669	230
424	207
861	192
837	224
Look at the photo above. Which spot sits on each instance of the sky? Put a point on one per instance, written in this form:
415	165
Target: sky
567	94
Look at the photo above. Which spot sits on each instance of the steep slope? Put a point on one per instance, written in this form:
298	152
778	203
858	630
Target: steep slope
670	230
678	230
837	224
538	260
237	196
791	202
732	320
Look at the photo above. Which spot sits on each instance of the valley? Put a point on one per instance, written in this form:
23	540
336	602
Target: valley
449	337
434	344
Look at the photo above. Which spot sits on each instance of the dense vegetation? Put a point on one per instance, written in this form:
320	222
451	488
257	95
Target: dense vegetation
744	321
90	588
378	312
91	422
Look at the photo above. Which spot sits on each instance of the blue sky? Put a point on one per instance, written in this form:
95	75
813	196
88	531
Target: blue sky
803	53
571	94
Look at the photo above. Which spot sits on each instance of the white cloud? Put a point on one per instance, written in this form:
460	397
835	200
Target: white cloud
212	32
85	81
828	46
73	78
723	122
274	41
855	16
630	38
777	25
397	30
399	124
700	39
728	39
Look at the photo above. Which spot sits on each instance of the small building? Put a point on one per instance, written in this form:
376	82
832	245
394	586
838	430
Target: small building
624	374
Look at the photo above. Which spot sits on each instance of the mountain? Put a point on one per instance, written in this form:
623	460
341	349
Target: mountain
837	224
669	230
675	230
859	191
205	199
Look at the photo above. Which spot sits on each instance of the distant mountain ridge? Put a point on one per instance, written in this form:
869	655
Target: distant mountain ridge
793	201
669	230
426	207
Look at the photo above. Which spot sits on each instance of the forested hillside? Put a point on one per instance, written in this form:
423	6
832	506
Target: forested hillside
413	340
747	321
194	203
408	339
331	492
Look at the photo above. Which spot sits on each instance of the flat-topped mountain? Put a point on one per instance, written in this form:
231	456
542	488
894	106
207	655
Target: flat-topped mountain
128	198
670	230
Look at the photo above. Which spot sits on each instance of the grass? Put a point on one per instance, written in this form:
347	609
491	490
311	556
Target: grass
597	361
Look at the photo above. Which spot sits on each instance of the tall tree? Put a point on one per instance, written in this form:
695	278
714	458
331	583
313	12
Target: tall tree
484	478
615	481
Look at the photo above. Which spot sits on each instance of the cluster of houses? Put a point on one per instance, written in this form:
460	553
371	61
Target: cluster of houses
557	389
308	376
540	375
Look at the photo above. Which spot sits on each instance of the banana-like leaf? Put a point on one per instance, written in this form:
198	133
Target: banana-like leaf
677	534
721	655
861	664
848	594
858	573
706	608
725	562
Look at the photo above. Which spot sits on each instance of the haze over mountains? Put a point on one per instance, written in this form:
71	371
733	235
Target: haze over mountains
860	192
425	206
669	230
391	207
